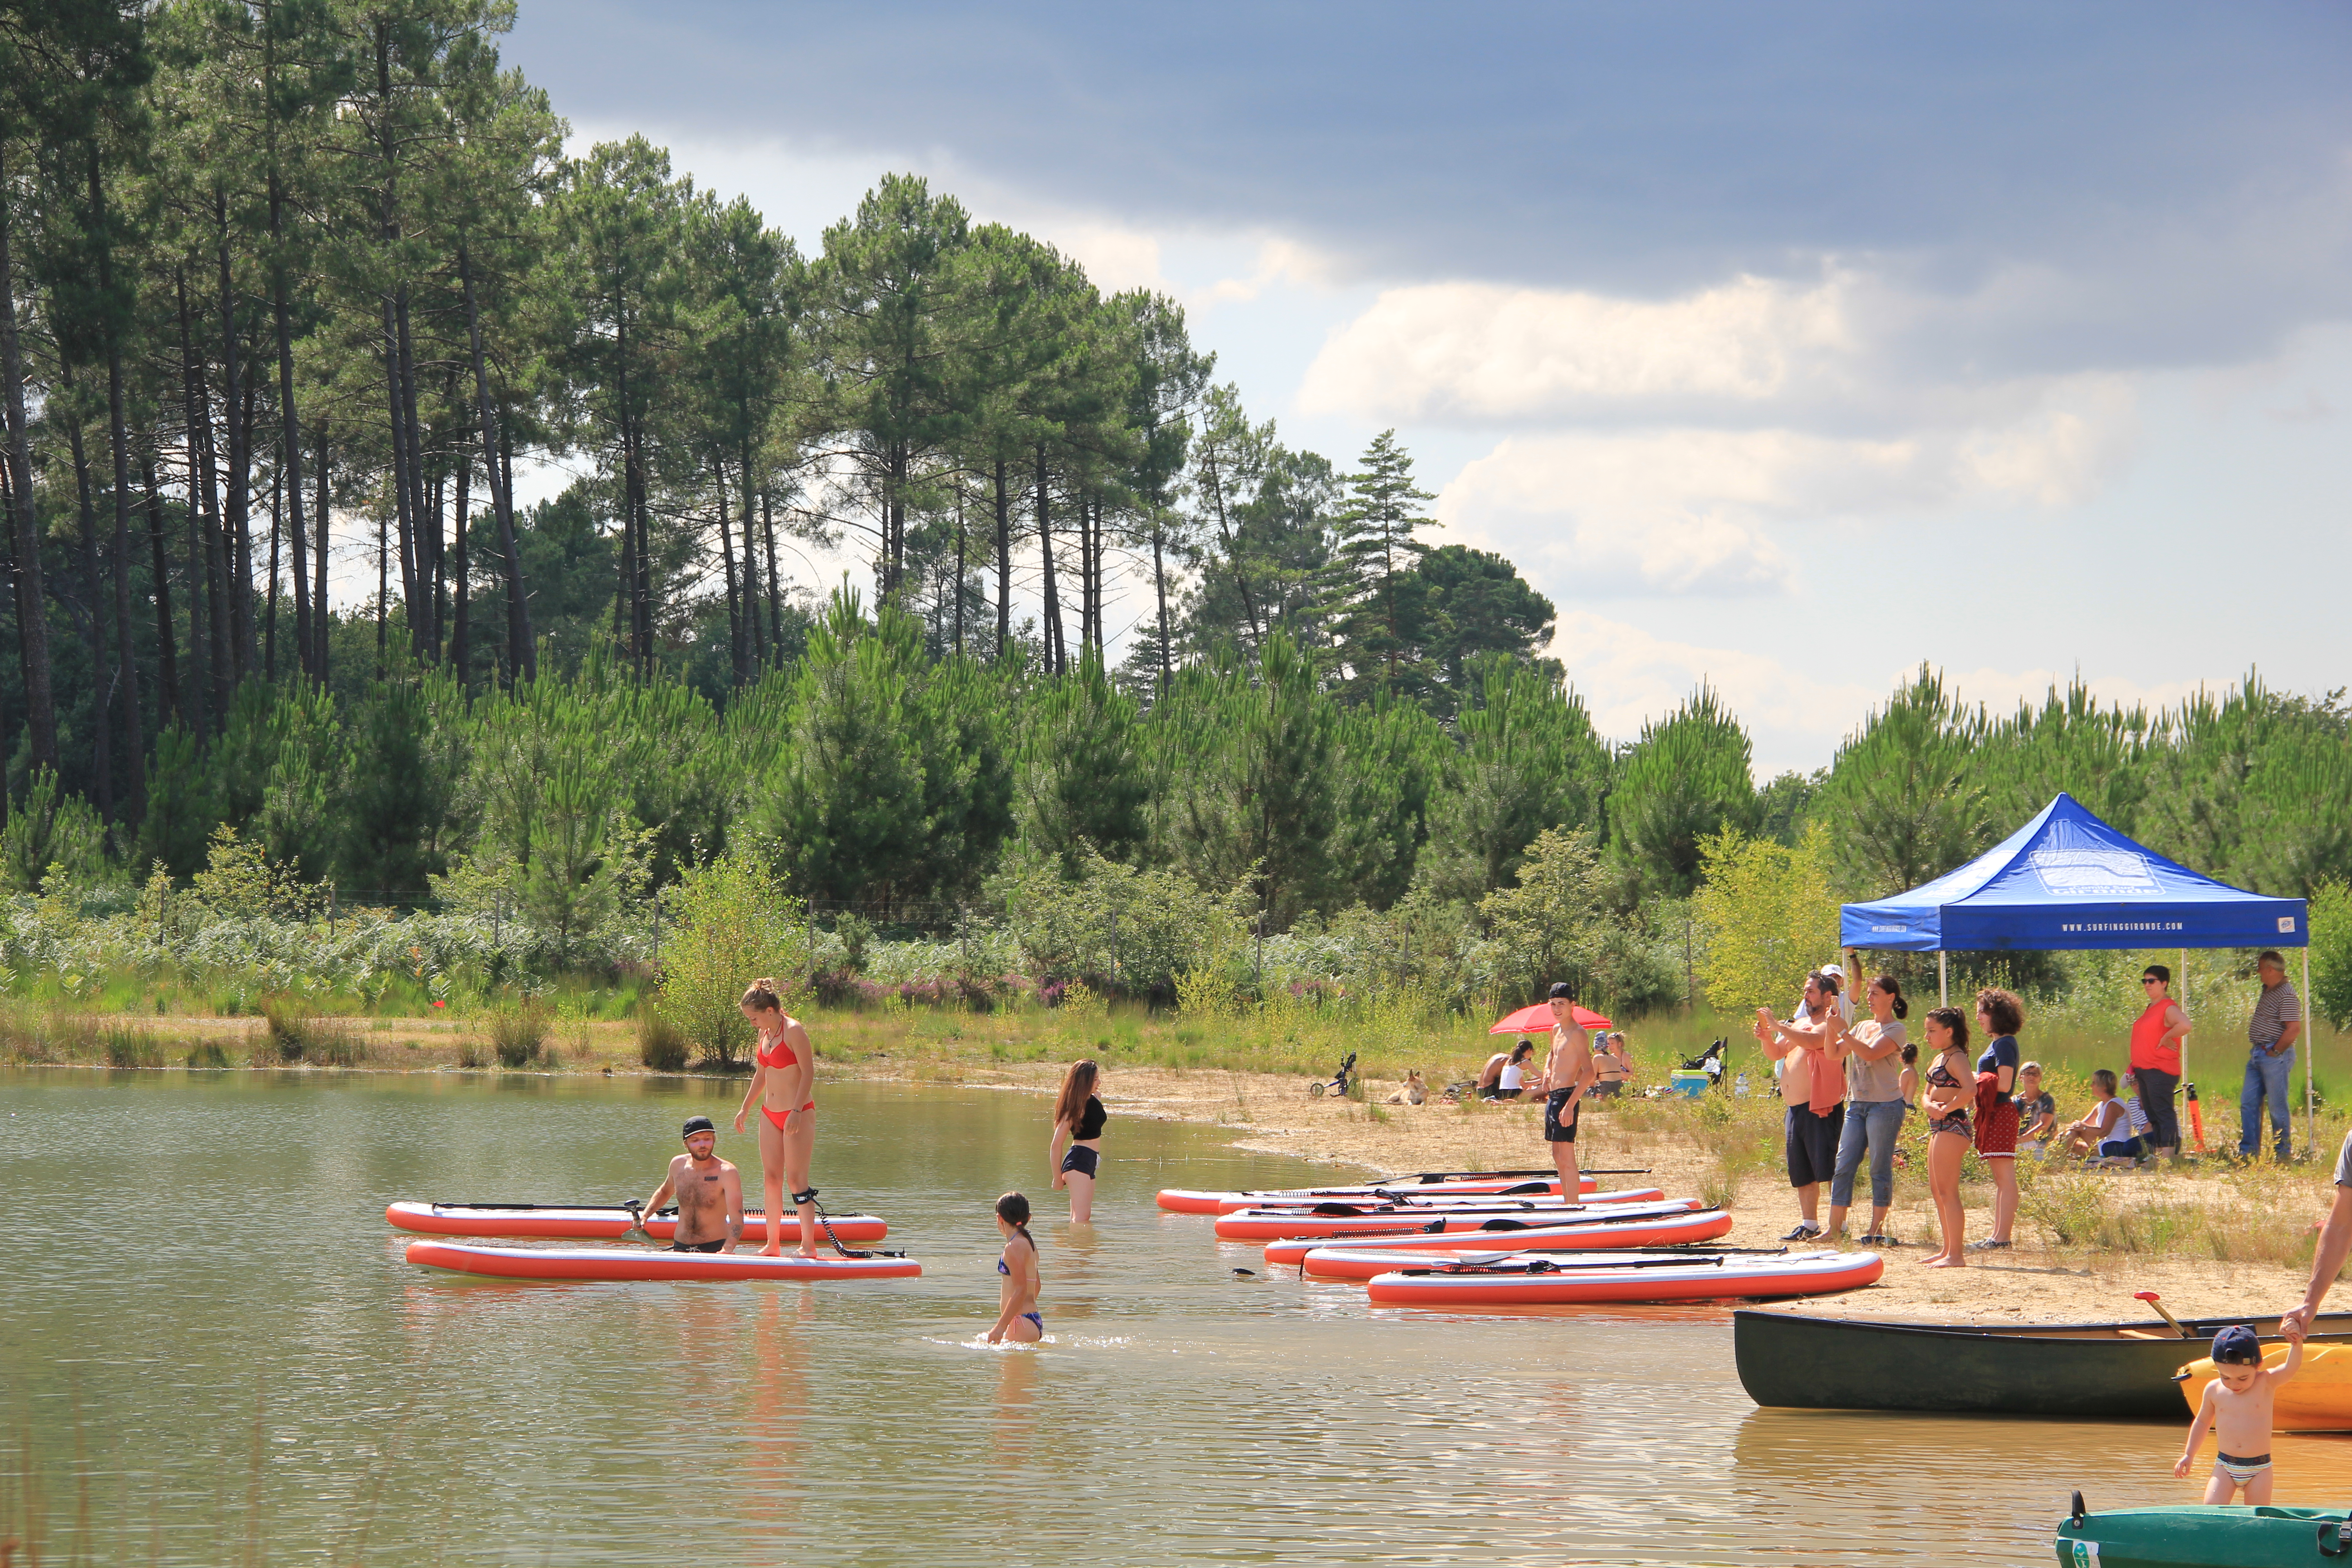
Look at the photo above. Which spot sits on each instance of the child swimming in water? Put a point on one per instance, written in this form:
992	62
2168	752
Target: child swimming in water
2237	1406
1018	1318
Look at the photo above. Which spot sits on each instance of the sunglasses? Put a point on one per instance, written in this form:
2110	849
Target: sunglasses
2149	980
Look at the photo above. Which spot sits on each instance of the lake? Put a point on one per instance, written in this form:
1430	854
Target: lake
216	1353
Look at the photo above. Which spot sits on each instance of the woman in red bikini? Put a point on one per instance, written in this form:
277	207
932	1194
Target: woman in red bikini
783	1081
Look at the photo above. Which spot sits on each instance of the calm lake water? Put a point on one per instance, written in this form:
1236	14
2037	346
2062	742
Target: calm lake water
199	1295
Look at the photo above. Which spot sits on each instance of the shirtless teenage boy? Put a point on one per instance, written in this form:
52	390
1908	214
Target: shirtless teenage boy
710	1193
1568	1075
2237	1406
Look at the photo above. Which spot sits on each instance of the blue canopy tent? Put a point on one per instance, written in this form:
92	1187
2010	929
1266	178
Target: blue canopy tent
2067	880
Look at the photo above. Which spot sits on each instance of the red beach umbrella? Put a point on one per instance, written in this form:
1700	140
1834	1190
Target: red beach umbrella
1537	1020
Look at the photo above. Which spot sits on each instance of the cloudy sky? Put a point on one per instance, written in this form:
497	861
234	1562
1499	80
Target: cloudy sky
1782	347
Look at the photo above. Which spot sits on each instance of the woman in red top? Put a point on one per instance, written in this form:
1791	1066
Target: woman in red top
784	1079
2156	1039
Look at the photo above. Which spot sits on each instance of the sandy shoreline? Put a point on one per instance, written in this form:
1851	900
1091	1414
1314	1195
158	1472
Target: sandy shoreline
2032	1283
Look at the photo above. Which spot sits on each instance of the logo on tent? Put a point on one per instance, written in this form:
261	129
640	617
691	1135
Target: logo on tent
2077	873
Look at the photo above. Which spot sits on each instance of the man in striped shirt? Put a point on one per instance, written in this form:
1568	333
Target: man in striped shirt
2269	1063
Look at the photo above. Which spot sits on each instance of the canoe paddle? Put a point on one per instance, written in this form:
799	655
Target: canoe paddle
1503	1175
1546	1265
2151	1297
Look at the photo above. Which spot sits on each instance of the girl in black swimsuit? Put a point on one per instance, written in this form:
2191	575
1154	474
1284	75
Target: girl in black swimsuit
1078	1119
1949	1096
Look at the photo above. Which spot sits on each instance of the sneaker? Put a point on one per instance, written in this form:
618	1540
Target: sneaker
1873	1239
1804	1233
1988	1245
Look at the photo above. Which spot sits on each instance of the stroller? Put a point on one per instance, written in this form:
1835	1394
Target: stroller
1338	1082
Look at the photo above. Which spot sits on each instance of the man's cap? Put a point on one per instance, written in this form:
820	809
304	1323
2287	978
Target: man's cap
2237	1346
1837	969
695	1124
1561	990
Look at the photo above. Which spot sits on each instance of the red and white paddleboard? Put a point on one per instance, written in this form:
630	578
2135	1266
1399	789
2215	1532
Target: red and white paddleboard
1341	1218
1195	1200
1543	1280
591	1222
1640	1229
631	1263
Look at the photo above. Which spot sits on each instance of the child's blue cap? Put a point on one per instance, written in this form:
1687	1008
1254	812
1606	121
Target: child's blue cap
2237	1346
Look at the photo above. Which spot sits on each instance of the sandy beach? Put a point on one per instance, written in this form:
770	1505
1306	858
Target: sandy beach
2033	1283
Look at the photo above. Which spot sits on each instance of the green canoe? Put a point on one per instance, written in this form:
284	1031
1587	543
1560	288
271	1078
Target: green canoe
2202	1537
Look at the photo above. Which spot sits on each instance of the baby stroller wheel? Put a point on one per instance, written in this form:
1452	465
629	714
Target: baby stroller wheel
1316	1088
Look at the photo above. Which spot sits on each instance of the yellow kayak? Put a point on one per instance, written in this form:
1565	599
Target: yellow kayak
2317	1398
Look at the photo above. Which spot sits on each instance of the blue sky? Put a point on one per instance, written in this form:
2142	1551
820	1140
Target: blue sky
1782	346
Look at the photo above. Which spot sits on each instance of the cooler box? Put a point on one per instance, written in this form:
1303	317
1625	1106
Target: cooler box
1688	1083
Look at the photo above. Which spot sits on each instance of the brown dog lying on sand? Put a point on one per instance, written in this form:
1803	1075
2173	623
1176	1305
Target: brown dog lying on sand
1413	1092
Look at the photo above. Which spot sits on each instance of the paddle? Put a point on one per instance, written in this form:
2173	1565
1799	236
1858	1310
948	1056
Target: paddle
2151	1297
1502	1175
551	1208
1546	1265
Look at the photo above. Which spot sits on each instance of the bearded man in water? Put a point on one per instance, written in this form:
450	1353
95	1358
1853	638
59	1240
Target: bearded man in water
1568	1076
710	1193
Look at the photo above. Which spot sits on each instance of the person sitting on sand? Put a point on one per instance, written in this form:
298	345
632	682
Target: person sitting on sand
1017	1317
2037	1109
2237	1407
2104	1122
1614	1066
710	1193
1504	1075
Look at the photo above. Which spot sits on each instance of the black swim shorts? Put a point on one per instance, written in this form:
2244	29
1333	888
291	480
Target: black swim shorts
1554	1131
718	1245
1082	1160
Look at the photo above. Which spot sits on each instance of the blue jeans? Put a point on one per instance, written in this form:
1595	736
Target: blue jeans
1876	1122
2270	1077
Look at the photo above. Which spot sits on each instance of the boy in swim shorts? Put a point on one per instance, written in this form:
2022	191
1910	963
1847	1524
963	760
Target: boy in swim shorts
2237	1406
1569	1075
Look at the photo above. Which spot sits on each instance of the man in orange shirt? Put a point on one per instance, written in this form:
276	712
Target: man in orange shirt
1812	1093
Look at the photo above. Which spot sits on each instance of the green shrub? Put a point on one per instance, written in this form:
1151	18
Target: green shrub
660	1045
133	1049
519	1033
735	924
207	1054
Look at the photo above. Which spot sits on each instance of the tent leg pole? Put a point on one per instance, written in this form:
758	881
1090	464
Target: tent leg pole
1943	980
2310	1055
2181	996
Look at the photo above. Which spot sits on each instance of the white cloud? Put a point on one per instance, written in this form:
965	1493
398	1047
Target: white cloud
1628	675
1692	510
1482	352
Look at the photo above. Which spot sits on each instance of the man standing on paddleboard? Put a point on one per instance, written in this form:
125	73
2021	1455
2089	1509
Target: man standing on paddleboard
710	1193
1568	1075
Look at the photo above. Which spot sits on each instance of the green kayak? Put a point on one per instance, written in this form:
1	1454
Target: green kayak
2202	1537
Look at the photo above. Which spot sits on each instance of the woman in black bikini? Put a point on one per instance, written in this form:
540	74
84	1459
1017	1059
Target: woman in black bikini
1951	1094
1078	1119
782	1086
1018	1318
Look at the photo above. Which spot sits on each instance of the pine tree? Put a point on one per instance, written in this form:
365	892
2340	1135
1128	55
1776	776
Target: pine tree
1380	604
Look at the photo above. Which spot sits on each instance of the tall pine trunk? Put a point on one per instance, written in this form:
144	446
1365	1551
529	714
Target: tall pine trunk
1056	660
269	612
168	699
32	603
102	747
237	585
319	623
290	426
739	645
521	652
461	645
117	432
775	582
1004	559
208	675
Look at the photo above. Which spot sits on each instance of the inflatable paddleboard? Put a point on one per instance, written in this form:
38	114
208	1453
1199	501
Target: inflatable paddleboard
1194	1200
1663	1223
631	1263
1358	1263
1354	1260
1341	1219
1546	1281
592	1222
1440	1202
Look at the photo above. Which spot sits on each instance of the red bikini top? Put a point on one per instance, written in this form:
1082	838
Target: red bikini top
783	1057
